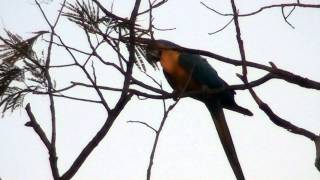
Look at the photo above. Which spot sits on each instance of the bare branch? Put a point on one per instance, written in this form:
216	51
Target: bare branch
95	141
144	123
158	133
221	29
51	149
103	101
221	14
280	121
53	156
113	114
167	95
285	17
302	5
317	161
281	6
153	6
37	128
165	116
71	48
263	106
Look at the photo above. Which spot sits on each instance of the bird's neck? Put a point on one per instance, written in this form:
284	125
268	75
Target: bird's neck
169	61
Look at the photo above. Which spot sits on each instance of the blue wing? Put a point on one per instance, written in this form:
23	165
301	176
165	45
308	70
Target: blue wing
201	70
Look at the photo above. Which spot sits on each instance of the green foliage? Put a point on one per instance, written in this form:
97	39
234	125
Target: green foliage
14	48
18	61
87	15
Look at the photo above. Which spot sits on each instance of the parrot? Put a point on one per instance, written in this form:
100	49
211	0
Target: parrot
187	72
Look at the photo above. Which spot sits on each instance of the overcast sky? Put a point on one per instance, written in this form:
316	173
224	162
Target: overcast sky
189	147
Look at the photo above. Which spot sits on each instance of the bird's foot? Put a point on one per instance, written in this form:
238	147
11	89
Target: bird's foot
176	95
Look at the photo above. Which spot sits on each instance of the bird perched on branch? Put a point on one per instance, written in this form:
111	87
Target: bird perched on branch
187	72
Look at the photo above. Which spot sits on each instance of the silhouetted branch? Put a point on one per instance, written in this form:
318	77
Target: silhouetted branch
153	6
144	123
208	7
221	29
37	128
317	161
53	154
103	101
280	121
165	116
66	97
51	149
72	48
161	94
302	5
285	17
158	133
113	113
243	59
263	106
95	140
114	31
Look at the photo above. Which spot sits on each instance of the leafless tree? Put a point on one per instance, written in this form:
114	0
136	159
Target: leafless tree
25	71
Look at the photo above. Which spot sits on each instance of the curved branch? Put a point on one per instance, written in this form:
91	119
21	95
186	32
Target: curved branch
144	123
279	5
302	5
262	105
37	128
221	29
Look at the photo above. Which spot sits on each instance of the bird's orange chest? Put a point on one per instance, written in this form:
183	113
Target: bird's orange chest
180	77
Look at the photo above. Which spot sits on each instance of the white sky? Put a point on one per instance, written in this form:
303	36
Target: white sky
189	147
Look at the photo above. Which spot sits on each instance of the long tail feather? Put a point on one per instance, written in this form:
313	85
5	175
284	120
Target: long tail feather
225	137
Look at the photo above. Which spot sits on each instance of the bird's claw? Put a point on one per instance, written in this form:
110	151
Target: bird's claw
175	96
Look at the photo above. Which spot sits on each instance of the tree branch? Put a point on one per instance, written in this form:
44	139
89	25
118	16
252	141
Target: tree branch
53	154
263	106
302	5
280	121
144	123
36	127
95	141
113	114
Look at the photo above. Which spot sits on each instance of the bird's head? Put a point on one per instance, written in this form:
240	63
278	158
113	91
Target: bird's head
154	50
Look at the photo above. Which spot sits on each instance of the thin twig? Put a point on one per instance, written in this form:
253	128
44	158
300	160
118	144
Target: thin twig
221	29
302	5
153	6
167	95
37	128
103	101
144	123
164	118
285	17
280	121
280	5
221	14
72	48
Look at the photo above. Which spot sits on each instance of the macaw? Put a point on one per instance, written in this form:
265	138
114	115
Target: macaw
191	72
